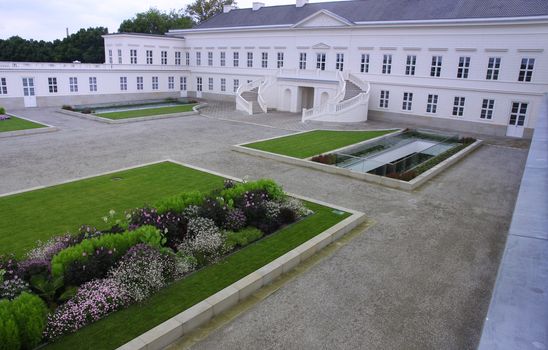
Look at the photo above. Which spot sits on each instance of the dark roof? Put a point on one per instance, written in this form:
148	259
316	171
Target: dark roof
139	34
380	10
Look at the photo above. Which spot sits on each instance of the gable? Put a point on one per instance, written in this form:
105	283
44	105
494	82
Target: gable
321	46
323	18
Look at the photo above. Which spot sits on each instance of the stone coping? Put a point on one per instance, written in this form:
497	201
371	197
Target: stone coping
381	180
47	128
195	111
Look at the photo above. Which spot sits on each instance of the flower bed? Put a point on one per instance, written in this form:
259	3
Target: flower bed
87	276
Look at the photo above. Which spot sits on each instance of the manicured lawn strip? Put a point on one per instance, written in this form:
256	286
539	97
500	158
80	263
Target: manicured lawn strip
124	325
15	123
314	142
146	112
40	214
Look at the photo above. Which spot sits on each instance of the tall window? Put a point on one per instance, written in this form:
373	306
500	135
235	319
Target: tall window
407	101
364	64
493	67
198	58
223	84
140	83
383	102
250	59
386	64
199	84
487	107
236	84
92	84
133	56
73	84
154	83
149	56
302	60
3	86
123	83
110	56
464	67
187	58
171	83
432	104
517	116
264	59
210	58
52	85
182	83
410	64
339	61
236	59
458	106
280	59
163	56
223	59
526	69
210	84
177	58
119	56
320	61
435	69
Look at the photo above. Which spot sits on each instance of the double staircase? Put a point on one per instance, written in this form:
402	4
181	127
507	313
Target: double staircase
252	97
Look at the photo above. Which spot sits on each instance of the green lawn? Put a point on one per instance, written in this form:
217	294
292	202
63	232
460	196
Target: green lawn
40	214
124	325
311	143
147	112
15	123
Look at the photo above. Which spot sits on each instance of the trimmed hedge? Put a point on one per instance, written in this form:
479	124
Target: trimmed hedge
242	238
180	202
275	191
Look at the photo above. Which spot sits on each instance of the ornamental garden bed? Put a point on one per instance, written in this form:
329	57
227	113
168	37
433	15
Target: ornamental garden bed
11	125
146	265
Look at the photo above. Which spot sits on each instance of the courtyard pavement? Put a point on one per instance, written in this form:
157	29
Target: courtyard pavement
420	278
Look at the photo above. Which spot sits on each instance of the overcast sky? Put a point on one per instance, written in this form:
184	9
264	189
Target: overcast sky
47	19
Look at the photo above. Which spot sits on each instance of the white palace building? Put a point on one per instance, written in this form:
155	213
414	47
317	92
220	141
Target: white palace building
465	65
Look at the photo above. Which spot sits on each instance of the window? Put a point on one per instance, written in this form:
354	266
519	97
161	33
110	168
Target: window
302	60
364	65
236	59
320	61
177	58
123	83
187	58
3	86
163	56
250	59
264	60
432	104
280	60
493	68
526	69
154	83
140	83
149	56
182	83
487	107
464	67
407	101
171	83
458	106
120	56
198	58
339	61
385	95
110	56
92	84
198	83
223	84
210	84
435	69
133	56
223	59
410	64
517	116
73	84
236	84
52	85
386	64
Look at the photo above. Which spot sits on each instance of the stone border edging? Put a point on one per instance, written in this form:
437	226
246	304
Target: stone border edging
195	111
381	180
47	128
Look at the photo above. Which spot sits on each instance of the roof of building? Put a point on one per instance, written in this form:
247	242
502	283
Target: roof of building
140	34
380	11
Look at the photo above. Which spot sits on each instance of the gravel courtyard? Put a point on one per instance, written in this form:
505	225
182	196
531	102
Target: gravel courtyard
419	278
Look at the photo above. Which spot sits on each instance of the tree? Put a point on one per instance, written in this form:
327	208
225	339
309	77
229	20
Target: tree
156	22
201	10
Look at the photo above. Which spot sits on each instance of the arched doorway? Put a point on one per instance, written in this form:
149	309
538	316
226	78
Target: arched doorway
324	97
286	100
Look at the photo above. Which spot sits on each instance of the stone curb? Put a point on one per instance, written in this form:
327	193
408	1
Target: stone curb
195	111
47	128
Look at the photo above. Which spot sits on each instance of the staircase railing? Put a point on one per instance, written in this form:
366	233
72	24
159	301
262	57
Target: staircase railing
341	89
266	83
241	103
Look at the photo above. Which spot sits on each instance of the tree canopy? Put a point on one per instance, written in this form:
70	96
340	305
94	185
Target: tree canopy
201	10
154	21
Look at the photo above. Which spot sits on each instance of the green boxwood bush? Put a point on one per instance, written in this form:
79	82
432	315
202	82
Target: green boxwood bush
2	110
242	238
30	314
180	202
117	243
275	191
9	333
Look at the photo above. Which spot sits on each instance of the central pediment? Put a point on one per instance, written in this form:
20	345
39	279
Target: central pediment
323	18
321	46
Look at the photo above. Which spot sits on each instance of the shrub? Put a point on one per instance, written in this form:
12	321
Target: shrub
190	212
9	332
235	220
30	313
94	300
171	224
296	206
95	267
180	202
32	267
8	263
11	288
46	250
252	204
242	238
67	107
329	159
206	241
86	110
236	192
467	140
2	110
212	209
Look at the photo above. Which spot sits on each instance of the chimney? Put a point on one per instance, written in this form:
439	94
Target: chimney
301	3
257	5
228	8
